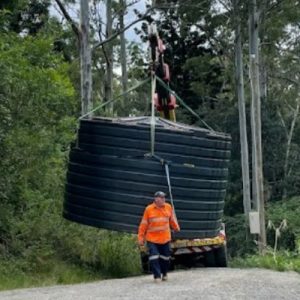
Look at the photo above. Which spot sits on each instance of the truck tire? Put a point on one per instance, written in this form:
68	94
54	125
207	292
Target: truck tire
209	259
221	256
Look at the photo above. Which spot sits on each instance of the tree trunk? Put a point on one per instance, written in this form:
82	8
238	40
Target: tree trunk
85	59
262	59
242	112
256	122
109	56
288	146
123	51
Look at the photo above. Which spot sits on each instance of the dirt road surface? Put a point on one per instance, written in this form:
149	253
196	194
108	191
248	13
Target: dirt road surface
195	284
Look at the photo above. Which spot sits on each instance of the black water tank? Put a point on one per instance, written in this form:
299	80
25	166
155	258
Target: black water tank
111	177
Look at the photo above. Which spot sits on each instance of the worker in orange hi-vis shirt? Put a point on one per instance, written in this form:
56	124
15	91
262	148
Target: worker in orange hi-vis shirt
155	230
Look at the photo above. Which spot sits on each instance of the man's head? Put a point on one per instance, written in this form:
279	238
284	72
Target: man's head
159	198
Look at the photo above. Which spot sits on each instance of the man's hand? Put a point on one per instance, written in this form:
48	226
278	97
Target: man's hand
141	243
175	230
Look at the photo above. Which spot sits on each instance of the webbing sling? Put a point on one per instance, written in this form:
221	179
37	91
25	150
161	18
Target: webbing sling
182	102
170	188
108	102
116	98
152	120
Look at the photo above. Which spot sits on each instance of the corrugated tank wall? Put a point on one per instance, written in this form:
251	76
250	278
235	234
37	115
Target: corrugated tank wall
110	180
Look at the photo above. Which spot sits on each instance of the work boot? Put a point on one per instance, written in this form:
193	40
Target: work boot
164	278
156	280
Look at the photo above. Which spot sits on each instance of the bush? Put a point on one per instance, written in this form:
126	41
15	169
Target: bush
288	209
284	261
119	255
240	243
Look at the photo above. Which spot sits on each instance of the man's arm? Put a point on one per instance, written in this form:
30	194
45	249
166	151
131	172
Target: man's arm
143	228
173	222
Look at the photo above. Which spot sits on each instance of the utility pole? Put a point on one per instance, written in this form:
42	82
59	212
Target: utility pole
85	58
242	111
257	168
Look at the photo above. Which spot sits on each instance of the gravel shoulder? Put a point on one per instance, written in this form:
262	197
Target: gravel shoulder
192	284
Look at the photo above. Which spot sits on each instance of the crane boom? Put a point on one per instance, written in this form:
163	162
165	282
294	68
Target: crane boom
164	101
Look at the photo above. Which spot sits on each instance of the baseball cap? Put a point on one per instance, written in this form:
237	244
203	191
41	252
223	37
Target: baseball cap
159	194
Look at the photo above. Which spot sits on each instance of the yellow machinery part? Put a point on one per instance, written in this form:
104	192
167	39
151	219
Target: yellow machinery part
172	115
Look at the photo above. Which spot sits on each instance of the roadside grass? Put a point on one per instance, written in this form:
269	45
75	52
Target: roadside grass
13	276
108	255
78	254
283	261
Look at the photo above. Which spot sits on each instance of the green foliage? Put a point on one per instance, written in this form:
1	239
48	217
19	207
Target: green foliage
241	243
37	109
25	15
289	210
285	261
119	255
37	125
239	240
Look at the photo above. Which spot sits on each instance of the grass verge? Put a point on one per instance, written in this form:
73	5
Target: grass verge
13	276
283	261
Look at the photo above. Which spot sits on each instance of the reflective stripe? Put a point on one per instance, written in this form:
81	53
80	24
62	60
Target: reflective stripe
152	257
158	228
159	219
144	222
164	257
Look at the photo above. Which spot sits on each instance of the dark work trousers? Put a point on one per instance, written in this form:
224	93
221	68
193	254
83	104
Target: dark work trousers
159	258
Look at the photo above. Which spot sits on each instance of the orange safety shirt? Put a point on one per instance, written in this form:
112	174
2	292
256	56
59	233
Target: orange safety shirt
156	222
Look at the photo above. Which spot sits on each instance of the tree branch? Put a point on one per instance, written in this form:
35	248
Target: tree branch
225	5
273	6
285	78
68	17
118	11
145	15
282	122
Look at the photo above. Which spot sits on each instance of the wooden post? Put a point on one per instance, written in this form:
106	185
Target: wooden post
256	122
242	111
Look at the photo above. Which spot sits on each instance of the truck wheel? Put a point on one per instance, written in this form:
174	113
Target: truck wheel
209	258
221	256
145	263
172	265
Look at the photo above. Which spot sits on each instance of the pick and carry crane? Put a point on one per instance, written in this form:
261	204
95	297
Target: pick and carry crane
186	252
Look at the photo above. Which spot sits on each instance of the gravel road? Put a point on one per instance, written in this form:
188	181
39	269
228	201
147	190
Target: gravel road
195	284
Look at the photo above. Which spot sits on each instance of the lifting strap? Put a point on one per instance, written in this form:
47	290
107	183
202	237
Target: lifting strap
183	103
116	98
170	188
152	120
